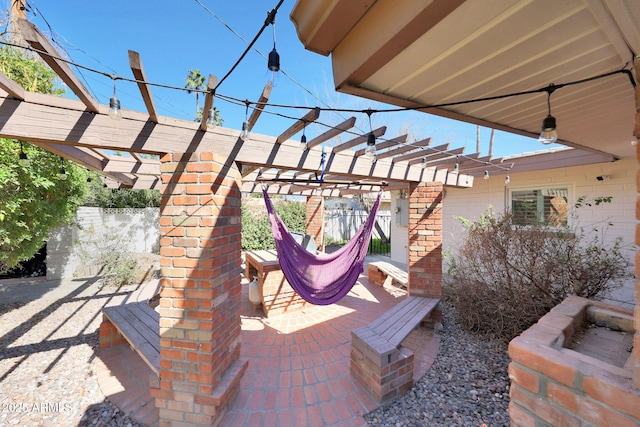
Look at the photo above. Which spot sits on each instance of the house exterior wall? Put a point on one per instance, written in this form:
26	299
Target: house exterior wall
581	181
399	233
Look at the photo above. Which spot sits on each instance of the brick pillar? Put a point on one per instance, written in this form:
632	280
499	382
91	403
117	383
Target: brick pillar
200	232
315	220
636	340
425	239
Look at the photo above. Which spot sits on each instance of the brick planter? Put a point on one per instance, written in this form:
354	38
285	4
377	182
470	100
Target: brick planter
554	385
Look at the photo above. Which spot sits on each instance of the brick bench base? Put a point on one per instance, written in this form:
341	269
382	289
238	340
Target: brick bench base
378	360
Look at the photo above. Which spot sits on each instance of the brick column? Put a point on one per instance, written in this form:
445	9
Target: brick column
200	232
315	220
425	239
636	340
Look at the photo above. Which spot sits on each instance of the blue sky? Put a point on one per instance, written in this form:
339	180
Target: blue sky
174	36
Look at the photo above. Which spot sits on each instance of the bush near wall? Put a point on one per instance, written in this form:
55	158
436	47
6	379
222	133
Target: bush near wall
507	276
256	229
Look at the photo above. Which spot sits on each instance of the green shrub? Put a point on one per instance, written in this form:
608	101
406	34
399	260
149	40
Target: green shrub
507	276
256	229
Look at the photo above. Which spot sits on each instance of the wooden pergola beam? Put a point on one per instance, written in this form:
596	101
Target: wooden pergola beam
386	144
431	158
66	122
425	152
359	140
12	88
300	124
135	63
262	101
408	147
208	102
38	41
334	131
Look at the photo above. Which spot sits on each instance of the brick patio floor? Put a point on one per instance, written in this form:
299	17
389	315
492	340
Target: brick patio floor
298	370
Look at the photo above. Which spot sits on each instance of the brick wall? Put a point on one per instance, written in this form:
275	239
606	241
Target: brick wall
200	235
552	385
315	220
425	239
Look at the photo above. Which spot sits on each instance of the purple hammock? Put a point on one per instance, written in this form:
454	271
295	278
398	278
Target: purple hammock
324	278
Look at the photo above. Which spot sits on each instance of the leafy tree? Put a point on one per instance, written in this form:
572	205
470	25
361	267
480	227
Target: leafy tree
102	197
33	199
256	229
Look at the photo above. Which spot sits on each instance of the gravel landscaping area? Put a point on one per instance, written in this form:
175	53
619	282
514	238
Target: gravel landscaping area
48	343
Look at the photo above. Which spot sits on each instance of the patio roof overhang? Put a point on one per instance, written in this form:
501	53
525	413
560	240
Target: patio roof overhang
82	131
413	53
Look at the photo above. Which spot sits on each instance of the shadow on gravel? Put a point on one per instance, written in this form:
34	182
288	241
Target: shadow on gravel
22	352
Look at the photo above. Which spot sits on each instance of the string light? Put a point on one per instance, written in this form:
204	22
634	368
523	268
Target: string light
370	151
273	63
24	160
424	163
549	134
246	126
303	138
62	173
114	103
211	118
486	174
507	180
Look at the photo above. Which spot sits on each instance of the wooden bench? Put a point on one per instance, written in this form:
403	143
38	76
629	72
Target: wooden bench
378	360
136	323
384	273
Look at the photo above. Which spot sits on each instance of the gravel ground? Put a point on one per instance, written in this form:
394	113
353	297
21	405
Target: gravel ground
467	385
47	347
47	377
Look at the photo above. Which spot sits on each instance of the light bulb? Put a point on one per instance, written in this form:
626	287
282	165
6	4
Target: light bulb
424	163
548	134
456	167
62	174
24	160
114	108
273	62
370	152
246	131
507	179
303	142
486	174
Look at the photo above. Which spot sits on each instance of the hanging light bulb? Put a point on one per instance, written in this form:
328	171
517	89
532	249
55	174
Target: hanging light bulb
62	174
424	163
634	139
273	62
370	151
548	134
456	167
303	138
24	160
114	103
486	174
507	180
246	125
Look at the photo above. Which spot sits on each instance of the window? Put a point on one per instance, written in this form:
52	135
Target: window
541	205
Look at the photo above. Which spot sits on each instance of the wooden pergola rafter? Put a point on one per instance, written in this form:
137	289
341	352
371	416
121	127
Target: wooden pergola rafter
81	131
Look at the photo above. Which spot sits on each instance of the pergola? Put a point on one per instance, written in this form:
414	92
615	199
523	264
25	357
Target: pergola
81	131
202	172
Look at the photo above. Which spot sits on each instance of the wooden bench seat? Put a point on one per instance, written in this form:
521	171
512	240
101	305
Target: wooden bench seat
139	325
384	273
378	360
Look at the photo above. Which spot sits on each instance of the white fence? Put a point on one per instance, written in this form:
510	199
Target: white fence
70	249
342	224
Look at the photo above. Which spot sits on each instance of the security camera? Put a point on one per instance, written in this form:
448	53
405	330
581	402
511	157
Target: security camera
603	177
